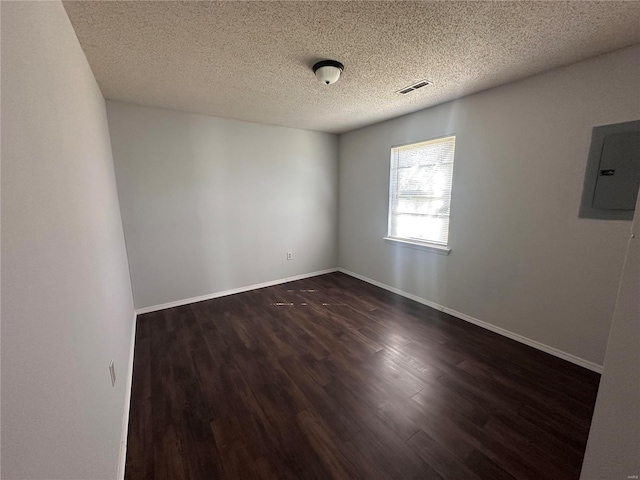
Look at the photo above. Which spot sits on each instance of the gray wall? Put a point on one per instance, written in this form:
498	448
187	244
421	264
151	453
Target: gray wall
66	296
210	204
613	449
521	258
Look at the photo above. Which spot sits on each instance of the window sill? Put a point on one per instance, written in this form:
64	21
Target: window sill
429	247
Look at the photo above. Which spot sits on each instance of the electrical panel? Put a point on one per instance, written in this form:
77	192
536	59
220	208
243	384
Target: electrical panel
612	178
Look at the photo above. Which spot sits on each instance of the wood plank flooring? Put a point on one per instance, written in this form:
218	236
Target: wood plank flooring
331	377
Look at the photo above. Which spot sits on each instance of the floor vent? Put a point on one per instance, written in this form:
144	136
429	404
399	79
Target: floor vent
415	86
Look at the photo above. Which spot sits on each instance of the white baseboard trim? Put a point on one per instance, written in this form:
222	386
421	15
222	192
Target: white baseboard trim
127	403
501	331
209	296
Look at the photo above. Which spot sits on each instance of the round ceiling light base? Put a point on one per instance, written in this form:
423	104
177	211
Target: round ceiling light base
328	71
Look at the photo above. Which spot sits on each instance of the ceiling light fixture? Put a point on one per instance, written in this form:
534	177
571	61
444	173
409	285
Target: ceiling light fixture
328	71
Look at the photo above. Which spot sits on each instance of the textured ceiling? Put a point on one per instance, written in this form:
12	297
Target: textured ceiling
252	60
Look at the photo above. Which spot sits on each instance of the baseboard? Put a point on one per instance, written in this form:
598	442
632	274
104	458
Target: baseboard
210	296
127	404
501	331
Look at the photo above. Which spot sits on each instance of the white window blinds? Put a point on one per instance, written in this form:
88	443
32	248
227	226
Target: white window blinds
420	191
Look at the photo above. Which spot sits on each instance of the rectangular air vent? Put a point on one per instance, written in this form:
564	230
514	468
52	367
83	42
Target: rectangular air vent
414	86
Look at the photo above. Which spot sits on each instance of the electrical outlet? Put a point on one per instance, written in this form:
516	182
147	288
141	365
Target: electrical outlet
289	255
112	372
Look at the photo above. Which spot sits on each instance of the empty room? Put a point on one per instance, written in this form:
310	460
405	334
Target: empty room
320	240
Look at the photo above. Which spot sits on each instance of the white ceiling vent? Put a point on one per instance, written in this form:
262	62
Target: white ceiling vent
414	86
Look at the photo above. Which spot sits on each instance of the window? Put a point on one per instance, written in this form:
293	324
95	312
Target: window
420	192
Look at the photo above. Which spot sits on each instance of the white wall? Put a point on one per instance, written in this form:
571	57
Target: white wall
613	449
210	204
66	296
521	258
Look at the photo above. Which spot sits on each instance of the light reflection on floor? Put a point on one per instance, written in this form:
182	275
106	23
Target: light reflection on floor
304	304
291	304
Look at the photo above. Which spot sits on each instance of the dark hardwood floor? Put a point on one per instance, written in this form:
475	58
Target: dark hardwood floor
331	377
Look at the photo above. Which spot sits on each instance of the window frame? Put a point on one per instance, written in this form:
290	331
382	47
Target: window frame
434	247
